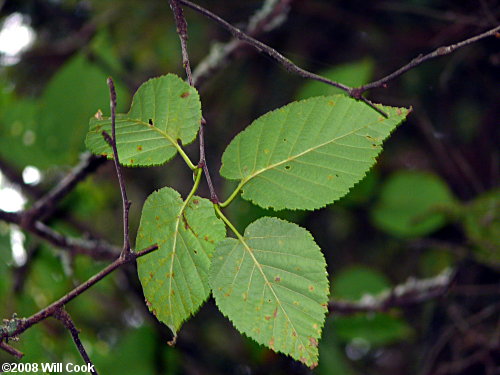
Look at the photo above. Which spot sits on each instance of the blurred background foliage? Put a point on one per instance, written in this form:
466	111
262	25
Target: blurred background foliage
430	203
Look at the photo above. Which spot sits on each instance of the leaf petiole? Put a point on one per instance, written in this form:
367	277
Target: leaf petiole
185	157
227	222
234	194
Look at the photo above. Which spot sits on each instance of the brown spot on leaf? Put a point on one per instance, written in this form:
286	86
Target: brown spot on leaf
139	148
313	342
185	94
267	317
131	161
196	201
148	304
331	102
271	343
311	288
275	313
157	218
277	279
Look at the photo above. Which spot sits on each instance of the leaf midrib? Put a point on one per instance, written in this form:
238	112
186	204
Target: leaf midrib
259	267
311	149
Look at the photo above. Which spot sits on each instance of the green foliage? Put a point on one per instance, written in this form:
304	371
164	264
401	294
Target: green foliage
175	277
50	128
412	204
272	284
164	110
481	220
308	154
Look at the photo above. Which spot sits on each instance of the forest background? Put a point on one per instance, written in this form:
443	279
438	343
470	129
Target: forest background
427	211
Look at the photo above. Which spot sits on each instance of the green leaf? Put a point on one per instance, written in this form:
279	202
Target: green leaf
164	110
175	277
272	284
308	154
353	74
411	204
481	219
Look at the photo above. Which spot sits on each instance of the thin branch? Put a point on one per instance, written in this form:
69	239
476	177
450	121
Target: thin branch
271	15
126	250
182	31
271	52
14	176
12	351
410	293
356	92
261	47
66	320
23	324
203	163
46	205
441	51
95	249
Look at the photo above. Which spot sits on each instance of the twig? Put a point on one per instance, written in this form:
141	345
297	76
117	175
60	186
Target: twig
66	320
9	349
95	249
45	205
126	250
203	163
272	14
288	64
24	324
237	33
409	293
355	92
441	51
182	31
15	177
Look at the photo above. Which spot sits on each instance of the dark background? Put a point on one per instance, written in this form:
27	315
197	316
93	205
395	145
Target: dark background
448	145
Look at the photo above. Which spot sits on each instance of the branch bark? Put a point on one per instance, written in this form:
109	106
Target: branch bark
409	293
63	316
22	324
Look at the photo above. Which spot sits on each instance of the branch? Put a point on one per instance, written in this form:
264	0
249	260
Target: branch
410	293
12	351
93	248
271	52
46	205
182	31
356	92
272	14
15	177
441	51
261	47
22	325
126	250
66	320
